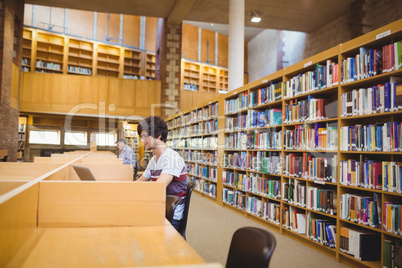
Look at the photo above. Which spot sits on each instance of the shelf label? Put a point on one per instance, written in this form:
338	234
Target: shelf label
308	64
384	34
319	182
234	93
265	81
210	102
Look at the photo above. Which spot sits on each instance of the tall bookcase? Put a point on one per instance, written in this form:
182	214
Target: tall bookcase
223	80
190	72
209	78
108	60
22	125
149	65
314	150
132	64
27	37
49	53
80	57
194	135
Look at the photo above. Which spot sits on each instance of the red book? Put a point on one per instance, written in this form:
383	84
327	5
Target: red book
377	175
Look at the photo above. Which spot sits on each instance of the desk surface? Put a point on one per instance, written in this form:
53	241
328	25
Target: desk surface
105	247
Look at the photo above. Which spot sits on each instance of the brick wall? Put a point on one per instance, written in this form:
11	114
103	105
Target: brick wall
10	10
170	66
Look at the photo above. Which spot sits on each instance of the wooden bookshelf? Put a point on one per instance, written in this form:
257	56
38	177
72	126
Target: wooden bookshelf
80	57
320	83
149	66
190	75
26	61
223	80
209	78
108	60
49	52
132	64
22	127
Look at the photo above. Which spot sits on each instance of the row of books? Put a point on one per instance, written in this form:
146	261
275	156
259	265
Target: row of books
192	87
234	198
271	211
294	192
206	113
194	143
364	210
294	219
21	136
25	69
130	133
20	154
322	200
81	70
380	98
317	136
361	244
254	205
206	127
236	140
48	65
236	123
262	186
265	140
200	157
310	110
203	186
271	93
209	173
25	61
21	127
238	104
392	254
134	77
309	167
261	118
322	77
322	231
392	218
379	137
233	179
21	145
371	62
240	160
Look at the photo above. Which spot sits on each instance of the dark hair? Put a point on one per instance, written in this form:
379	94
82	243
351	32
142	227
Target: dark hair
122	140
154	126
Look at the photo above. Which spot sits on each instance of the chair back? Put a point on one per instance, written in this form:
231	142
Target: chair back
250	247
171	203
183	224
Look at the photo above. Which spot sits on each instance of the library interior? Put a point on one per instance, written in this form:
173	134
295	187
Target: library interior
280	142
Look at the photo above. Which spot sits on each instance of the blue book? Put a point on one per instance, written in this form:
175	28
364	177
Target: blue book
387	97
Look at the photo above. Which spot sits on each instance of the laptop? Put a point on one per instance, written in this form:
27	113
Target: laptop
84	173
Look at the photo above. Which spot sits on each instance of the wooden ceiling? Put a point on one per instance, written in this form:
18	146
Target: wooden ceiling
292	15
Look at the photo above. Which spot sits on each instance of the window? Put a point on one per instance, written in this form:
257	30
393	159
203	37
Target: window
105	139
44	137
75	138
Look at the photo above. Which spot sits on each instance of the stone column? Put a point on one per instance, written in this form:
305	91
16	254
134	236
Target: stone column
168	65
11	25
236	44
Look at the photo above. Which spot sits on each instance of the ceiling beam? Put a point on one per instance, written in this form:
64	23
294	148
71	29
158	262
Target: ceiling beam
179	11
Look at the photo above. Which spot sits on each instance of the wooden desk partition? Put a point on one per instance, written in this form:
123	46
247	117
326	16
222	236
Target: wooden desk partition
17	222
61	160
106	172
89	204
24	171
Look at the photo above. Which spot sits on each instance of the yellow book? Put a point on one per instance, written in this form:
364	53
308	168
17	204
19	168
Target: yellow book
389	217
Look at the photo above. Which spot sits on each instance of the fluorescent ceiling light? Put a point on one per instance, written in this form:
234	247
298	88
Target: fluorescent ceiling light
255	17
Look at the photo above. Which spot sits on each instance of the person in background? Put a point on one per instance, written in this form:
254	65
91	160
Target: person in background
127	154
166	165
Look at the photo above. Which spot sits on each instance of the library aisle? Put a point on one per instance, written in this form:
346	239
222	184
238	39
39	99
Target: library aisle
210	229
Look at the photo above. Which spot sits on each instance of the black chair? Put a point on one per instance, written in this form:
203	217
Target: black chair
183	224
250	247
171	203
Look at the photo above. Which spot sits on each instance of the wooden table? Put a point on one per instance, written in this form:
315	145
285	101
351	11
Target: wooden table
105	247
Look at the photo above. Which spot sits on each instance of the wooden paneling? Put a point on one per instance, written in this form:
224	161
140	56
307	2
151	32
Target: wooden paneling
24	171
52	93
223	50
131	31
19	224
76	19
190	42
6	186
150	34
114	27
86	204
207	46
189	99
15	83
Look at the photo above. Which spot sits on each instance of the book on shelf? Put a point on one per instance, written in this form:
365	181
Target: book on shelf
363	245
321	230
392	253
